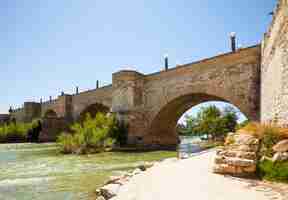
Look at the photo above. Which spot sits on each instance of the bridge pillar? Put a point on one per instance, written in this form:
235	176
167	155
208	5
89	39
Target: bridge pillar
127	102
32	110
65	107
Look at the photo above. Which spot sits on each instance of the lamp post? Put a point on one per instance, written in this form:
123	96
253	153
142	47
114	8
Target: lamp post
77	90
97	84
166	61
233	41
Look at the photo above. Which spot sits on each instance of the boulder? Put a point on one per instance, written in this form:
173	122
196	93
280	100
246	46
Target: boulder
108	191
280	156
136	171
113	179
239	155
281	146
142	167
100	198
245	139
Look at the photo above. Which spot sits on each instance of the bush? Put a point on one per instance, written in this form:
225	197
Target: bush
14	132
277	171
93	135
259	130
268	134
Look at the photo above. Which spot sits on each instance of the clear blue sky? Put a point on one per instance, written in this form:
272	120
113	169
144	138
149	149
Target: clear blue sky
50	46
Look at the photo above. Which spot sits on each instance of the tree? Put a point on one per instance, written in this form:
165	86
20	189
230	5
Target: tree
211	121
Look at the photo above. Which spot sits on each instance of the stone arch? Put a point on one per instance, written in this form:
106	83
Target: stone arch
93	109
50	114
162	127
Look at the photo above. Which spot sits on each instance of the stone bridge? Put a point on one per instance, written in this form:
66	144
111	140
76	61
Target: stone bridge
152	104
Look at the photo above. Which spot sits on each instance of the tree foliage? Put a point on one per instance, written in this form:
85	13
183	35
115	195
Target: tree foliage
210	121
93	134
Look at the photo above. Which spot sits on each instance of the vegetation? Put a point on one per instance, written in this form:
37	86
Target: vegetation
211	122
92	135
271	171
242	124
269	135
14	132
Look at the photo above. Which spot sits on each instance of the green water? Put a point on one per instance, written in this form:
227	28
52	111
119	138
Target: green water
38	171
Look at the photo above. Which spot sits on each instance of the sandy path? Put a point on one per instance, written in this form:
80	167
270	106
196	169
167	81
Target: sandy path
186	179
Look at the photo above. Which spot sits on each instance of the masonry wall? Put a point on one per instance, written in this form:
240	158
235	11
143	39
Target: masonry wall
274	69
81	101
153	103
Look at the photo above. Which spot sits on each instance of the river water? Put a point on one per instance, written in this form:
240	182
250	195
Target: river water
39	172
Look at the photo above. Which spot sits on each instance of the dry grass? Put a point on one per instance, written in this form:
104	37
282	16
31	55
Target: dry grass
258	130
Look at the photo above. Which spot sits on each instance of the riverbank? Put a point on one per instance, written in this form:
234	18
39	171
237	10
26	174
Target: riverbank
193	179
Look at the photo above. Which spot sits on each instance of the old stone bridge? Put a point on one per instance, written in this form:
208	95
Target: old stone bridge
253	79
152	104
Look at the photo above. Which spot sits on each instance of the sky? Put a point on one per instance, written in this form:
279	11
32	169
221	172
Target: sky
53	46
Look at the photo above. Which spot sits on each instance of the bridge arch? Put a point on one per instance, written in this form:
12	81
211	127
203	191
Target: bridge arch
93	109
162	127
50	113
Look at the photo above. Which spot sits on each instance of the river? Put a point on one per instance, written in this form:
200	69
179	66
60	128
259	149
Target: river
39	171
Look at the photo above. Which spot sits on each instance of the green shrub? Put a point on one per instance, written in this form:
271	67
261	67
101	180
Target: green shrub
270	137
14	131
92	135
277	171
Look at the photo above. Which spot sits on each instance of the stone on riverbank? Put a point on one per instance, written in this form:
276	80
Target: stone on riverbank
281	146
238	157
108	191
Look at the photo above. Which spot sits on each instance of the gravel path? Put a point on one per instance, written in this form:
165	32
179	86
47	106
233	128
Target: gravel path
191	179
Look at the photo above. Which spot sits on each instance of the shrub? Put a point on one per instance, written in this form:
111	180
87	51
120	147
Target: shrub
268	134
277	171
259	130
92	135
14	132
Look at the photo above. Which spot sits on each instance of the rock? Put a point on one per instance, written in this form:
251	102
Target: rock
238	157
281	146
245	139
229	139
136	171
100	198
113	179
280	156
142	167
247	148
246	155
240	162
108	191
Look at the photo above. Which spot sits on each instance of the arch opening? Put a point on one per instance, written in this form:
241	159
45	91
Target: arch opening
50	114
163	128
93	109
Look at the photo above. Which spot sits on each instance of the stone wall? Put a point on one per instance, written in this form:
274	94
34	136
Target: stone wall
274	69
152	104
81	101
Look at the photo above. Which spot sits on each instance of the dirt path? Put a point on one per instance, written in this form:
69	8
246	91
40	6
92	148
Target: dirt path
191	179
